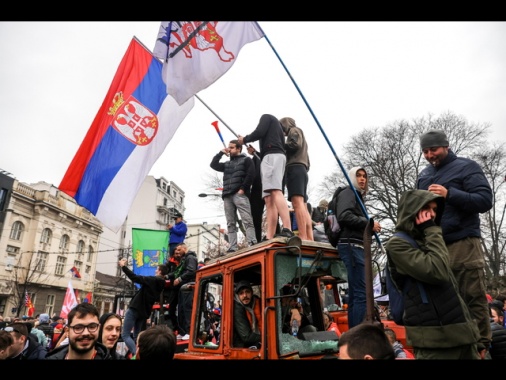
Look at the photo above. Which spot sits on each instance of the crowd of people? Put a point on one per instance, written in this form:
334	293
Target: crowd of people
450	319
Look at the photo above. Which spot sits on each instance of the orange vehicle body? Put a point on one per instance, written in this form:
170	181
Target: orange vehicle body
269	266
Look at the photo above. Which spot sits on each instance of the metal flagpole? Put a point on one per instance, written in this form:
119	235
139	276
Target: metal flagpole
322	131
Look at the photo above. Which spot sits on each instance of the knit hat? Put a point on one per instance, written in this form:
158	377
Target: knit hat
241	285
44	318
435	137
323	204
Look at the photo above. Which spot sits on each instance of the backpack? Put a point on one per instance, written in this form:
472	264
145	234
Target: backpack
330	224
396	295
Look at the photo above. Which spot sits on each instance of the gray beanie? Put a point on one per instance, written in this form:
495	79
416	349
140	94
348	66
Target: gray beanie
434	137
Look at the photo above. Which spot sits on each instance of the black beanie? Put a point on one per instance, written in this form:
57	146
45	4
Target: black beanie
435	137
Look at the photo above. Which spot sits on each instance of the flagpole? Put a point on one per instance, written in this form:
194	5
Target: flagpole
323	133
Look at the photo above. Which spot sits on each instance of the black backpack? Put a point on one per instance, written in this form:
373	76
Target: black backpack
330	224
396	295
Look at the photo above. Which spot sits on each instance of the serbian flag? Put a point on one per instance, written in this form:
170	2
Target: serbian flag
69	302
88	298
197	53
29	305
149	249
75	272
130	131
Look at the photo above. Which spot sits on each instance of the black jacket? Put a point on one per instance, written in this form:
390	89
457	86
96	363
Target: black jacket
59	353
498	345
270	134
34	351
186	270
469	194
238	173
148	294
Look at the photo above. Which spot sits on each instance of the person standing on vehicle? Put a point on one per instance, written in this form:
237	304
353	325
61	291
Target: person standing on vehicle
177	232
351	245
467	193
296	177
437	320
273	156
238	175
256	199
141	305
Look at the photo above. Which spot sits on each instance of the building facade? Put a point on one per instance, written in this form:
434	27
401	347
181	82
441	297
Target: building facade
46	241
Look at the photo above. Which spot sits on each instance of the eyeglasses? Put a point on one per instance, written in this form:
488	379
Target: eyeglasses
79	329
11	329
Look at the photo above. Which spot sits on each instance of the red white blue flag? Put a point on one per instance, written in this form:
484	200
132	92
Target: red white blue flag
75	272
197	53
129	133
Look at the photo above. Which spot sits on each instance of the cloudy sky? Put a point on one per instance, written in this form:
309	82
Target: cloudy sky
352	75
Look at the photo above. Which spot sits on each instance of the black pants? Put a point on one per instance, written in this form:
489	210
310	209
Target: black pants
184	309
257	212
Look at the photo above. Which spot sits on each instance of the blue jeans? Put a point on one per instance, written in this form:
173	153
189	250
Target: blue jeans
353	258
132	321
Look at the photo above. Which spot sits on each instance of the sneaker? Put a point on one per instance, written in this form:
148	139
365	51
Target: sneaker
186	337
285	232
231	250
180	337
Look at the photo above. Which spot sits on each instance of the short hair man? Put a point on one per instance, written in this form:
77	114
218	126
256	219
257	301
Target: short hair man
83	330
238	174
365	341
25	346
156	343
467	193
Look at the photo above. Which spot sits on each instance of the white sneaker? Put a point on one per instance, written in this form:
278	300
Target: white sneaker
186	337
180	337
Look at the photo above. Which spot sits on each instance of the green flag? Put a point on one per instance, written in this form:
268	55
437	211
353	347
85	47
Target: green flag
149	249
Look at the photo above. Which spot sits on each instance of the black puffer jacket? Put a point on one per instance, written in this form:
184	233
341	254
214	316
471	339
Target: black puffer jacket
238	173
498	347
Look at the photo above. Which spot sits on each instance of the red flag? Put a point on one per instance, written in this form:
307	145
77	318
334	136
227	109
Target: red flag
88	298
75	272
69	302
29	305
197	53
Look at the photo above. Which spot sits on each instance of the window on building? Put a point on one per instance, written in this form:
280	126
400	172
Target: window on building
49	308
41	261
11	261
90	253
164	186
87	269
80	249
46	236
17	230
61	261
64	242
165	201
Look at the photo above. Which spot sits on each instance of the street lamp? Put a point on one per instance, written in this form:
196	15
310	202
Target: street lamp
203	195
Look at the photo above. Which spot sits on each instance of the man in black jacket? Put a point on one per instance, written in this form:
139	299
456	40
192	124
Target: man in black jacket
25	345
83	330
184	279
142	302
238	175
467	193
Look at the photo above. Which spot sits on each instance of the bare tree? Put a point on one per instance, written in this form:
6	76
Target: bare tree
493	161
392	158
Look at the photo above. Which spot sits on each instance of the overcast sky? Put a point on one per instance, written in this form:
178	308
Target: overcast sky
354	75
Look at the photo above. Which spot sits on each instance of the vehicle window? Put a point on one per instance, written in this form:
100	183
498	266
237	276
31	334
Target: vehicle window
209	311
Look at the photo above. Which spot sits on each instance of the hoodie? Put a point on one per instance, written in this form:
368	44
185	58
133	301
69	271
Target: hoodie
349	212
442	320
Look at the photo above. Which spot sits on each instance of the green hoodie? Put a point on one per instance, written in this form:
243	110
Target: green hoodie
444	321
